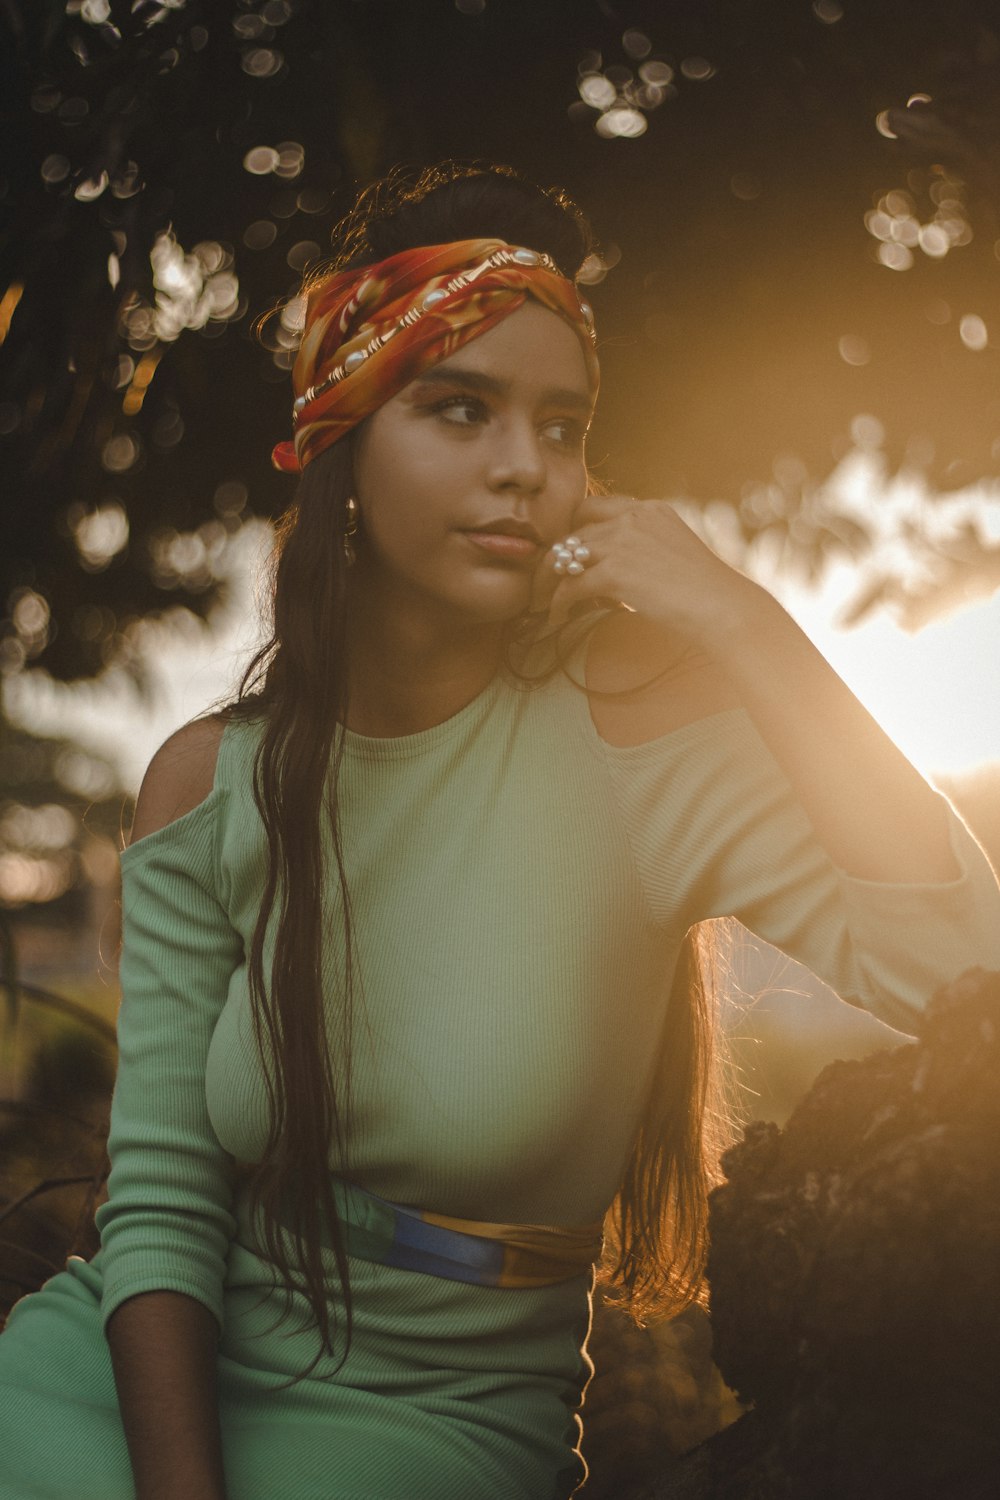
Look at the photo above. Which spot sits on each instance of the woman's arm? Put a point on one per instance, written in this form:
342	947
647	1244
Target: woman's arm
164	1343
164	1350
875	815
717	830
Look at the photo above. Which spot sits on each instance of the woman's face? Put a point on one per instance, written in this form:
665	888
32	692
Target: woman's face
467	476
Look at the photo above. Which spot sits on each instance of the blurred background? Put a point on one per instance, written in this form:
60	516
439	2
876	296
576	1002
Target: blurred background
797	302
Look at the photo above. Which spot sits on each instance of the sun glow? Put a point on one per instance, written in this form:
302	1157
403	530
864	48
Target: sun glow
936	693
912	623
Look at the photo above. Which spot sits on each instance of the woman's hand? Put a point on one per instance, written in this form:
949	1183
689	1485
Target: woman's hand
642	555
871	810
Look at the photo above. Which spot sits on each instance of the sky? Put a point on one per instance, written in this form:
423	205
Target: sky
936	693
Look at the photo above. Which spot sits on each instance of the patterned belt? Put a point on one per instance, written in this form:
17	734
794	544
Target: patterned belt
501	1255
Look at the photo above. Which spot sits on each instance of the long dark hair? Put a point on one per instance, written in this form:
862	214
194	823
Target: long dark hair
297	684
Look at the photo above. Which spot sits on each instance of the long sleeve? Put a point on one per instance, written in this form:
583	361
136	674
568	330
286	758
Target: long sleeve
167	1223
717	831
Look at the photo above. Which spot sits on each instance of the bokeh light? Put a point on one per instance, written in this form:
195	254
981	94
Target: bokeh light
100	534
597	91
291	159
83	775
191	290
261	160
128	181
313	201
598	264
896	257
260	234
30	615
853	349
188	559
262	62
636	44
621	121
972	331
621	97
897	223
55	168
230	498
302	253
8	306
26	878
40	828
698	69
95	11
121	453
250	27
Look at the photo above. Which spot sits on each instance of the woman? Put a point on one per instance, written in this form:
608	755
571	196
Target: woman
400	926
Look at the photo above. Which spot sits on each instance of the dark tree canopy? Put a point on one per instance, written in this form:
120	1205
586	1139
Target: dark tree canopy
745	320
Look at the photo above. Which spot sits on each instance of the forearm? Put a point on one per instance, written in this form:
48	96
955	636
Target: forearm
164	1350
872	811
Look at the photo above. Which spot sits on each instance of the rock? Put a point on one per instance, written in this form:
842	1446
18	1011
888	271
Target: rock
855	1278
655	1394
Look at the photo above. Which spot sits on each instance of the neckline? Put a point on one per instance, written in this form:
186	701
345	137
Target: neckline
402	746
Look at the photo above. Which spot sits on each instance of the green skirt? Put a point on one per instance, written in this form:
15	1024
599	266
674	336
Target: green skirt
450	1391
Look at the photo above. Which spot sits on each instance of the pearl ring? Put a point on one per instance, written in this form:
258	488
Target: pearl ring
570	556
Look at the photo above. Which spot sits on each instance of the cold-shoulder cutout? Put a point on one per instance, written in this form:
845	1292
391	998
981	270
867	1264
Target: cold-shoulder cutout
654	684
179	778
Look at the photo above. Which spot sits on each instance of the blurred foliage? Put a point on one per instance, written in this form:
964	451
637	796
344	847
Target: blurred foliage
222	139
56	1075
60	827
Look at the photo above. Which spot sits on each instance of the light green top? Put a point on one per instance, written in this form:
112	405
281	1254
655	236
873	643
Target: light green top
520	891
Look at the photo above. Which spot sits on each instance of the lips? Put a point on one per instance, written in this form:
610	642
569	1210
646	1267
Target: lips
507	526
507	540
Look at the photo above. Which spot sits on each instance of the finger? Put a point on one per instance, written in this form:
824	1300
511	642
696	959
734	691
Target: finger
584	547
586	590
553	565
601	508
566	559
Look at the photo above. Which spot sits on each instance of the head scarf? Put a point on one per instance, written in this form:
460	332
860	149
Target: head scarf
370	331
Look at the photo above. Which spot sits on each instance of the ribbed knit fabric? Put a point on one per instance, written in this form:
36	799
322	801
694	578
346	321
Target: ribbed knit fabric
520	891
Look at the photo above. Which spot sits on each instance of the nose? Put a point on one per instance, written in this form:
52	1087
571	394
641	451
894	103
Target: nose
517	461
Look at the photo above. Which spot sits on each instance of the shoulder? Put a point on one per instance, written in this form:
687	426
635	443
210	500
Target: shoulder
644	685
180	775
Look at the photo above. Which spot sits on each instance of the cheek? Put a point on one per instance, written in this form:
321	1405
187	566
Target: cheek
400	503
411	486
574	488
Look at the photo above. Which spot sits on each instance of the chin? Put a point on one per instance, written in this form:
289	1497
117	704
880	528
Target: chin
499	606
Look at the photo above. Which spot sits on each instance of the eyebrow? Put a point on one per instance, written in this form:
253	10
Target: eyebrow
490	385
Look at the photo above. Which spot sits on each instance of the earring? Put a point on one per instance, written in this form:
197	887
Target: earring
350	528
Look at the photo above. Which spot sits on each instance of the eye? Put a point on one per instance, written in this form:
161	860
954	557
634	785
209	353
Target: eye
460	411
565	431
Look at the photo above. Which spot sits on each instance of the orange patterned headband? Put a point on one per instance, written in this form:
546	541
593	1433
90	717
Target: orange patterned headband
370	331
